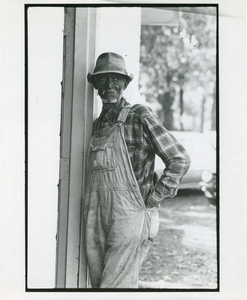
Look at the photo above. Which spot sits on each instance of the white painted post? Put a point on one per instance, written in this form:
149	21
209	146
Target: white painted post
66	115
76	129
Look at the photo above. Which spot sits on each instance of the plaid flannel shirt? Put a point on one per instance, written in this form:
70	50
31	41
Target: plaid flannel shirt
146	136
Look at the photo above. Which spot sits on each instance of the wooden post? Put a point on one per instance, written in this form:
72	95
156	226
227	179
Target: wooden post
76	129
66	115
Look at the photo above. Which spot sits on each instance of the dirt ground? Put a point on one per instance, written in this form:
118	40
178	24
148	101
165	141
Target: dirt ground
184	254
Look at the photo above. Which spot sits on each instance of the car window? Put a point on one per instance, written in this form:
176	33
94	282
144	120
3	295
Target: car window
200	150
188	145
198	147
205	148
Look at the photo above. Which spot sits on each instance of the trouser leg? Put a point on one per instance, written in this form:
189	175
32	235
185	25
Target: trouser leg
116	250
95	242
125	247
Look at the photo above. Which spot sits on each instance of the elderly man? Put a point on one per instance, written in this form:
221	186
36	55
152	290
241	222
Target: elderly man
121	201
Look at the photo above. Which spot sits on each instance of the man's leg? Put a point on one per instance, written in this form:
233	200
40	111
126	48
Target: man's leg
95	239
125	244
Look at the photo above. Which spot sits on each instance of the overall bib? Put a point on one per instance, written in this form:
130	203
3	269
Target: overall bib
119	227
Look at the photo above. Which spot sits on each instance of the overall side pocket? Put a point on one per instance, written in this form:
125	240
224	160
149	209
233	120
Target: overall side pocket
154	221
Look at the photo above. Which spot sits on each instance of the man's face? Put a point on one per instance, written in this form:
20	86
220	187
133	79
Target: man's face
110	86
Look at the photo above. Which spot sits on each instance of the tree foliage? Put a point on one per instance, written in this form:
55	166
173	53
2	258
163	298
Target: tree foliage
178	60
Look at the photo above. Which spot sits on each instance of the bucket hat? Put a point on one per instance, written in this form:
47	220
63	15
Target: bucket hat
110	62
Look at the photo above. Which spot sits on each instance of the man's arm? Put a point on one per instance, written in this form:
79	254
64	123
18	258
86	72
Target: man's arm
173	154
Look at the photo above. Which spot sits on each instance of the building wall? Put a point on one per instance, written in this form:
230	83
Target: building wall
118	30
45	56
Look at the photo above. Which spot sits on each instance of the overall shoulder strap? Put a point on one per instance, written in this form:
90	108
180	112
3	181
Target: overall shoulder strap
123	114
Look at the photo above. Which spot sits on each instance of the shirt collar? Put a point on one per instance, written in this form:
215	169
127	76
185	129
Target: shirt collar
113	112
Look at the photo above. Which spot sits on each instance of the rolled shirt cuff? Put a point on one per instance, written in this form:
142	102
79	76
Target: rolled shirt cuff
154	200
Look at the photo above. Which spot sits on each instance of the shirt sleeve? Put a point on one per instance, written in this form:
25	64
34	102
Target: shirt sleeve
175	158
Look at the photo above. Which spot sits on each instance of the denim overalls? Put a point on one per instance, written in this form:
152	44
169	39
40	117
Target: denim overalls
119	228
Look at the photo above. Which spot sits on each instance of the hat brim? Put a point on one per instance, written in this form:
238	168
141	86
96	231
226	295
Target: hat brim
90	77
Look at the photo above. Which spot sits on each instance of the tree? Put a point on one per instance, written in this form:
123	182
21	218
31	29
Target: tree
179	58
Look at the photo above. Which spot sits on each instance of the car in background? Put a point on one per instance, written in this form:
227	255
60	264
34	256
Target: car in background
212	137
202	172
209	186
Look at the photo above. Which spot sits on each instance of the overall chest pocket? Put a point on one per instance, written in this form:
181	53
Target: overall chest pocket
102	157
